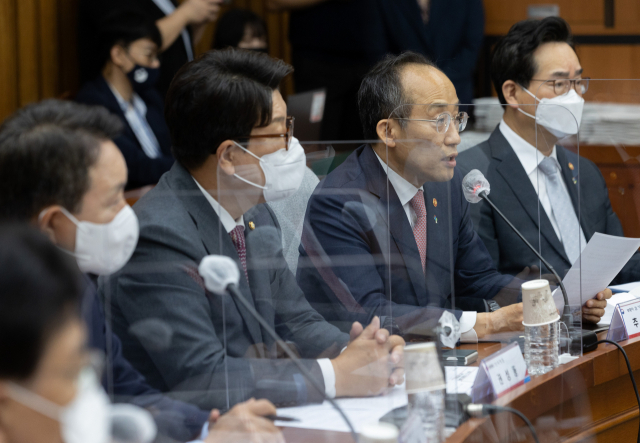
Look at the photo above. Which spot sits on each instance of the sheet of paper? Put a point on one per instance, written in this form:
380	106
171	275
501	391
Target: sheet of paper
362	411
627	287
460	379
600	261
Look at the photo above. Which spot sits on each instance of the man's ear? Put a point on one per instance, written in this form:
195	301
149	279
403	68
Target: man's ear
226	153
388	131
509	89
45	221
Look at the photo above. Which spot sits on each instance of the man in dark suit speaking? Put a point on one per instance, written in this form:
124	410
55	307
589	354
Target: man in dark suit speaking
534	180
411	237
234	149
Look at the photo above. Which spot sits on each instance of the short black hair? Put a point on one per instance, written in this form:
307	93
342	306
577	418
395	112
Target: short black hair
513	54
123	28
231	26
222	95
46	150
381	90
40	292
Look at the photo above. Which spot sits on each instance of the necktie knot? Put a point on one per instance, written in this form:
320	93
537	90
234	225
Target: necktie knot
237	237
549	166
417	203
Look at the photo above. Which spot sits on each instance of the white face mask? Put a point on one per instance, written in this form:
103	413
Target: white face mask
560	122
84	420
283	171
103	249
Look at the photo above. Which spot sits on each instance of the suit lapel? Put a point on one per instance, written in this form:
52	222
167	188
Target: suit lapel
216	241
438	242
568	176
515	176
394	215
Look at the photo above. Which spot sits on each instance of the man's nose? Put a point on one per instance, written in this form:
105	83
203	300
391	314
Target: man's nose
452	136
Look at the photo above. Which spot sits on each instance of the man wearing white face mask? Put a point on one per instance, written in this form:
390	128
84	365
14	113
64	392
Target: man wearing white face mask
234	150
60	171
535	64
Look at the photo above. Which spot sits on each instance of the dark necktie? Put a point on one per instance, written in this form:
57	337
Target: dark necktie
237	237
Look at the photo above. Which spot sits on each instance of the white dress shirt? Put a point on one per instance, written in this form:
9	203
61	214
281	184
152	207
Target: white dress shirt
229	224
530	158
406	191
136	114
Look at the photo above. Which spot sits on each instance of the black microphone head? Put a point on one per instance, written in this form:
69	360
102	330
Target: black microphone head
473	184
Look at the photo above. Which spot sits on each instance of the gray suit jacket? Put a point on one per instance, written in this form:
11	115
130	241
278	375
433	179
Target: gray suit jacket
513	193
174	331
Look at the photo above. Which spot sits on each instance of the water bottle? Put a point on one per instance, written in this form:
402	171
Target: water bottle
541	348
430	407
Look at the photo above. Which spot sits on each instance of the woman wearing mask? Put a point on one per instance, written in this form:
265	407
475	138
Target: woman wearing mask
128	44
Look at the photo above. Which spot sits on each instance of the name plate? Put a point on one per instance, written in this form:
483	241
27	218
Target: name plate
500	373
625	323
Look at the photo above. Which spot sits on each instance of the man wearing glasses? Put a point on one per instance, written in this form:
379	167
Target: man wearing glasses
372	247
234	150
534	180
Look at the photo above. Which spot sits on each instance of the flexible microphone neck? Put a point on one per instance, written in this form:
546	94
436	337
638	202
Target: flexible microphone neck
566	313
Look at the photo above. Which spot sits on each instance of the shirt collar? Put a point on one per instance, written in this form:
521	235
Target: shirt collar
529	155
225	218
405	190
138	103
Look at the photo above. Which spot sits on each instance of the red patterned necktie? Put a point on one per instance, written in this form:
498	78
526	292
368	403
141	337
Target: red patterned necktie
237	237
420	227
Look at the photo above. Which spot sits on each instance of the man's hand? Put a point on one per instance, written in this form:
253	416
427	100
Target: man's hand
245	422
372	361
508	318
201	11
593	309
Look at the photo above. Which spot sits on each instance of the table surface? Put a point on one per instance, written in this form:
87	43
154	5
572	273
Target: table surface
589	399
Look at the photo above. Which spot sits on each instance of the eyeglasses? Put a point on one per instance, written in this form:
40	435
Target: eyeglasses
562	86
287	136
444	120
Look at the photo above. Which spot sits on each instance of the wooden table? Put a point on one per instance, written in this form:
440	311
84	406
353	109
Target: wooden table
590	399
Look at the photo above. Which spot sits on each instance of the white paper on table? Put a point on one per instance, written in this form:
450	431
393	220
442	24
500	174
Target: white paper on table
600	262
360	411
626	287
460	379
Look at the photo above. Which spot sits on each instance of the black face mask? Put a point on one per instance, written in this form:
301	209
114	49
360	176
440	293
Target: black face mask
142	78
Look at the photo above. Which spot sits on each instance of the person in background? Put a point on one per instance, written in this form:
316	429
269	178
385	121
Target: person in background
534	179
335	43
241	28
128	45
60	172
181	26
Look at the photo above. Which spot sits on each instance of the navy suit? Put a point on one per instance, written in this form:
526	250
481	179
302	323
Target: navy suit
356	261
178	420
513	193
143	170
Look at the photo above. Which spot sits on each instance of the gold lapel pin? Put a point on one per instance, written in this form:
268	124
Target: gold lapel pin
252	225
571	166
435	203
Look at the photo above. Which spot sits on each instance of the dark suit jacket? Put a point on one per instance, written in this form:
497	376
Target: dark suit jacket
174	331
513	193
142	169
178	420
351	269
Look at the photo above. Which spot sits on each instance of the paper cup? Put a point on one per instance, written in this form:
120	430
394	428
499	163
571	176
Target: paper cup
422	368
538	307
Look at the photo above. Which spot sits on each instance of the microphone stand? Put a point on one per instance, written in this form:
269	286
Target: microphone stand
233	290
567	318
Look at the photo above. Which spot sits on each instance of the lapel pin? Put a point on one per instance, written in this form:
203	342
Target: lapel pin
252	225
575	182
435	218
435	203
571	166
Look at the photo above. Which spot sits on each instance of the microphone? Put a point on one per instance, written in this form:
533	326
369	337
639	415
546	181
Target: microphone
221	276
131	424
475	187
